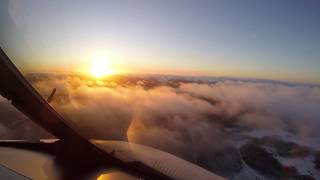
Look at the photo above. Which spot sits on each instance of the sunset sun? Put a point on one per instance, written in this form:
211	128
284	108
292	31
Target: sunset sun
100	68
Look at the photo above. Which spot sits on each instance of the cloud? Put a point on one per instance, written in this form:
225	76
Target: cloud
281	104
187	120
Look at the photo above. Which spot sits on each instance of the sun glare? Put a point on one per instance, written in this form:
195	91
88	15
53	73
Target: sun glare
100	68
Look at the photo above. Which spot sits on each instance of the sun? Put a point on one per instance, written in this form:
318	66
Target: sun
100	68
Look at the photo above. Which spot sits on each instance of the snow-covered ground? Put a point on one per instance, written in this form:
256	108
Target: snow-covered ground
247	173
284	136
303	165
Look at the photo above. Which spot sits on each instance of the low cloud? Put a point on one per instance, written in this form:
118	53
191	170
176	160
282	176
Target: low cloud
186	119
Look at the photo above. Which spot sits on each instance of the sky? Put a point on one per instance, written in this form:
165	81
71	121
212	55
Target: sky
268	39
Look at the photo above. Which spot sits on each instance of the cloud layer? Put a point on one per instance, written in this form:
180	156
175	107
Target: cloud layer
187	119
